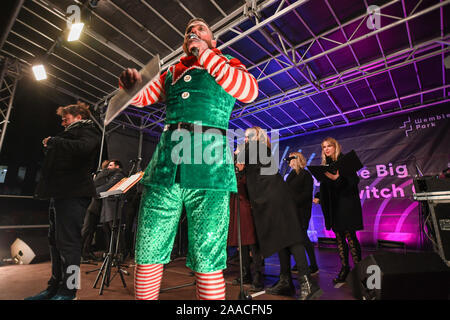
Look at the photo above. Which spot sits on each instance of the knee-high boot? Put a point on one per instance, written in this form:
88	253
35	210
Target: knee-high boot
343	255
355	247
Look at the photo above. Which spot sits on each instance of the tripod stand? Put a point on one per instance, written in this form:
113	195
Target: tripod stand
113	257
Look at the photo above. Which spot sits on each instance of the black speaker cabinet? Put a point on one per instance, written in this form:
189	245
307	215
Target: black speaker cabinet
396	276
440	216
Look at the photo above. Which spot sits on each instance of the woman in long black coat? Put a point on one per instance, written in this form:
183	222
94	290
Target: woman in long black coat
277	225
341	207
300	183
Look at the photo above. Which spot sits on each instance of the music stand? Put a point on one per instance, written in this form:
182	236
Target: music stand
112	257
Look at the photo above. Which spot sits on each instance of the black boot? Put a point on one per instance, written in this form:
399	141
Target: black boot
309	289
47	294
345	270
258	282
284	286
246	278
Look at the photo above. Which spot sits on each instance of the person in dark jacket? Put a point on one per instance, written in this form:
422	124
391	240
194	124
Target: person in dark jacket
341	207
247	234
301	182
67	181
278	227
92	217
114	174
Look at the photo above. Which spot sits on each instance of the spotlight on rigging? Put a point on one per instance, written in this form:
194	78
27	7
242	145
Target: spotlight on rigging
39	71
75	31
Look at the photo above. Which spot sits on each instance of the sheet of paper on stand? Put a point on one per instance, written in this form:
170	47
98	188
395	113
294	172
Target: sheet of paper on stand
122	99
123	185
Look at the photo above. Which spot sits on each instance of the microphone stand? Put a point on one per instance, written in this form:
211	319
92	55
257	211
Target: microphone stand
242	294
423	207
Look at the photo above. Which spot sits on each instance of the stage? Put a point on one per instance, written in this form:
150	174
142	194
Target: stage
20	281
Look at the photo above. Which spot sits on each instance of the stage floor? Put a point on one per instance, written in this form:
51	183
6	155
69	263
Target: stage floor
20	281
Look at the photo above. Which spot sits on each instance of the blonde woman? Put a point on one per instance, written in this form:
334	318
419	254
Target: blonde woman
300	182
278	228
257	134
341	207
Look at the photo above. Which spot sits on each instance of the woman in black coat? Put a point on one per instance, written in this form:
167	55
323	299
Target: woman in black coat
301	182
278	228
341	207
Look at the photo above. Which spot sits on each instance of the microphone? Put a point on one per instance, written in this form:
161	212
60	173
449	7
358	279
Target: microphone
419	172
191	36
288	159
194	51
135	160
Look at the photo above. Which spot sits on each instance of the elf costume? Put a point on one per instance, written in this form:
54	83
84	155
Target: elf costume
200	91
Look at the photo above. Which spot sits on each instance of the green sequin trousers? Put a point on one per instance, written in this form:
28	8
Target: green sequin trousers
208	215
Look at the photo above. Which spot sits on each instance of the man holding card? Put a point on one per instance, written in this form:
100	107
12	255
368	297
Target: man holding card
199	92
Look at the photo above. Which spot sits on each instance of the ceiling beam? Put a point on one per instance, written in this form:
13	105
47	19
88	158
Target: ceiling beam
354	73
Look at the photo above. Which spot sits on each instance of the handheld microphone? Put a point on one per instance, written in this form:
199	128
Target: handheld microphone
288	159
194	50
135	160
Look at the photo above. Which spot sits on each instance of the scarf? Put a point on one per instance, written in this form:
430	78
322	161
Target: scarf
78	123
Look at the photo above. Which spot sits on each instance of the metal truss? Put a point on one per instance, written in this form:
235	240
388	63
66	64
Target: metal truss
315	85
361	72
10	73
288	57
342	79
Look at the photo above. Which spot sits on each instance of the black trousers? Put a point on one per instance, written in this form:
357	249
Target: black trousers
131	210
309	249
298	251
64	235
256	257
90	224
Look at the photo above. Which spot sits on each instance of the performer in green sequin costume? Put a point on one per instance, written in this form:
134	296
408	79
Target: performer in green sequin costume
201	89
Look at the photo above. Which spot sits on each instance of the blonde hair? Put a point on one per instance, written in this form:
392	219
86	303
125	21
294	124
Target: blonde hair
337	151
258	134
299	161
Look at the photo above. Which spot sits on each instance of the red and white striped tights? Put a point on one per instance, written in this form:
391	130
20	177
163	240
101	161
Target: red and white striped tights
147	283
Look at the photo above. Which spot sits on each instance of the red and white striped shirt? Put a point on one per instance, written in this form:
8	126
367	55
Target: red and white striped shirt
230	74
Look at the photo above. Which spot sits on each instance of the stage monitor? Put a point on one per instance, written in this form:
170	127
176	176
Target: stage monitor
21	252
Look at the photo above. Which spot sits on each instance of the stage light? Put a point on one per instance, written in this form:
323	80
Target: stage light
39	72
75	31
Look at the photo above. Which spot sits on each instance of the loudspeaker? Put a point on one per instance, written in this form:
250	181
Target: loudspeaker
440	216
30	249
395	276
